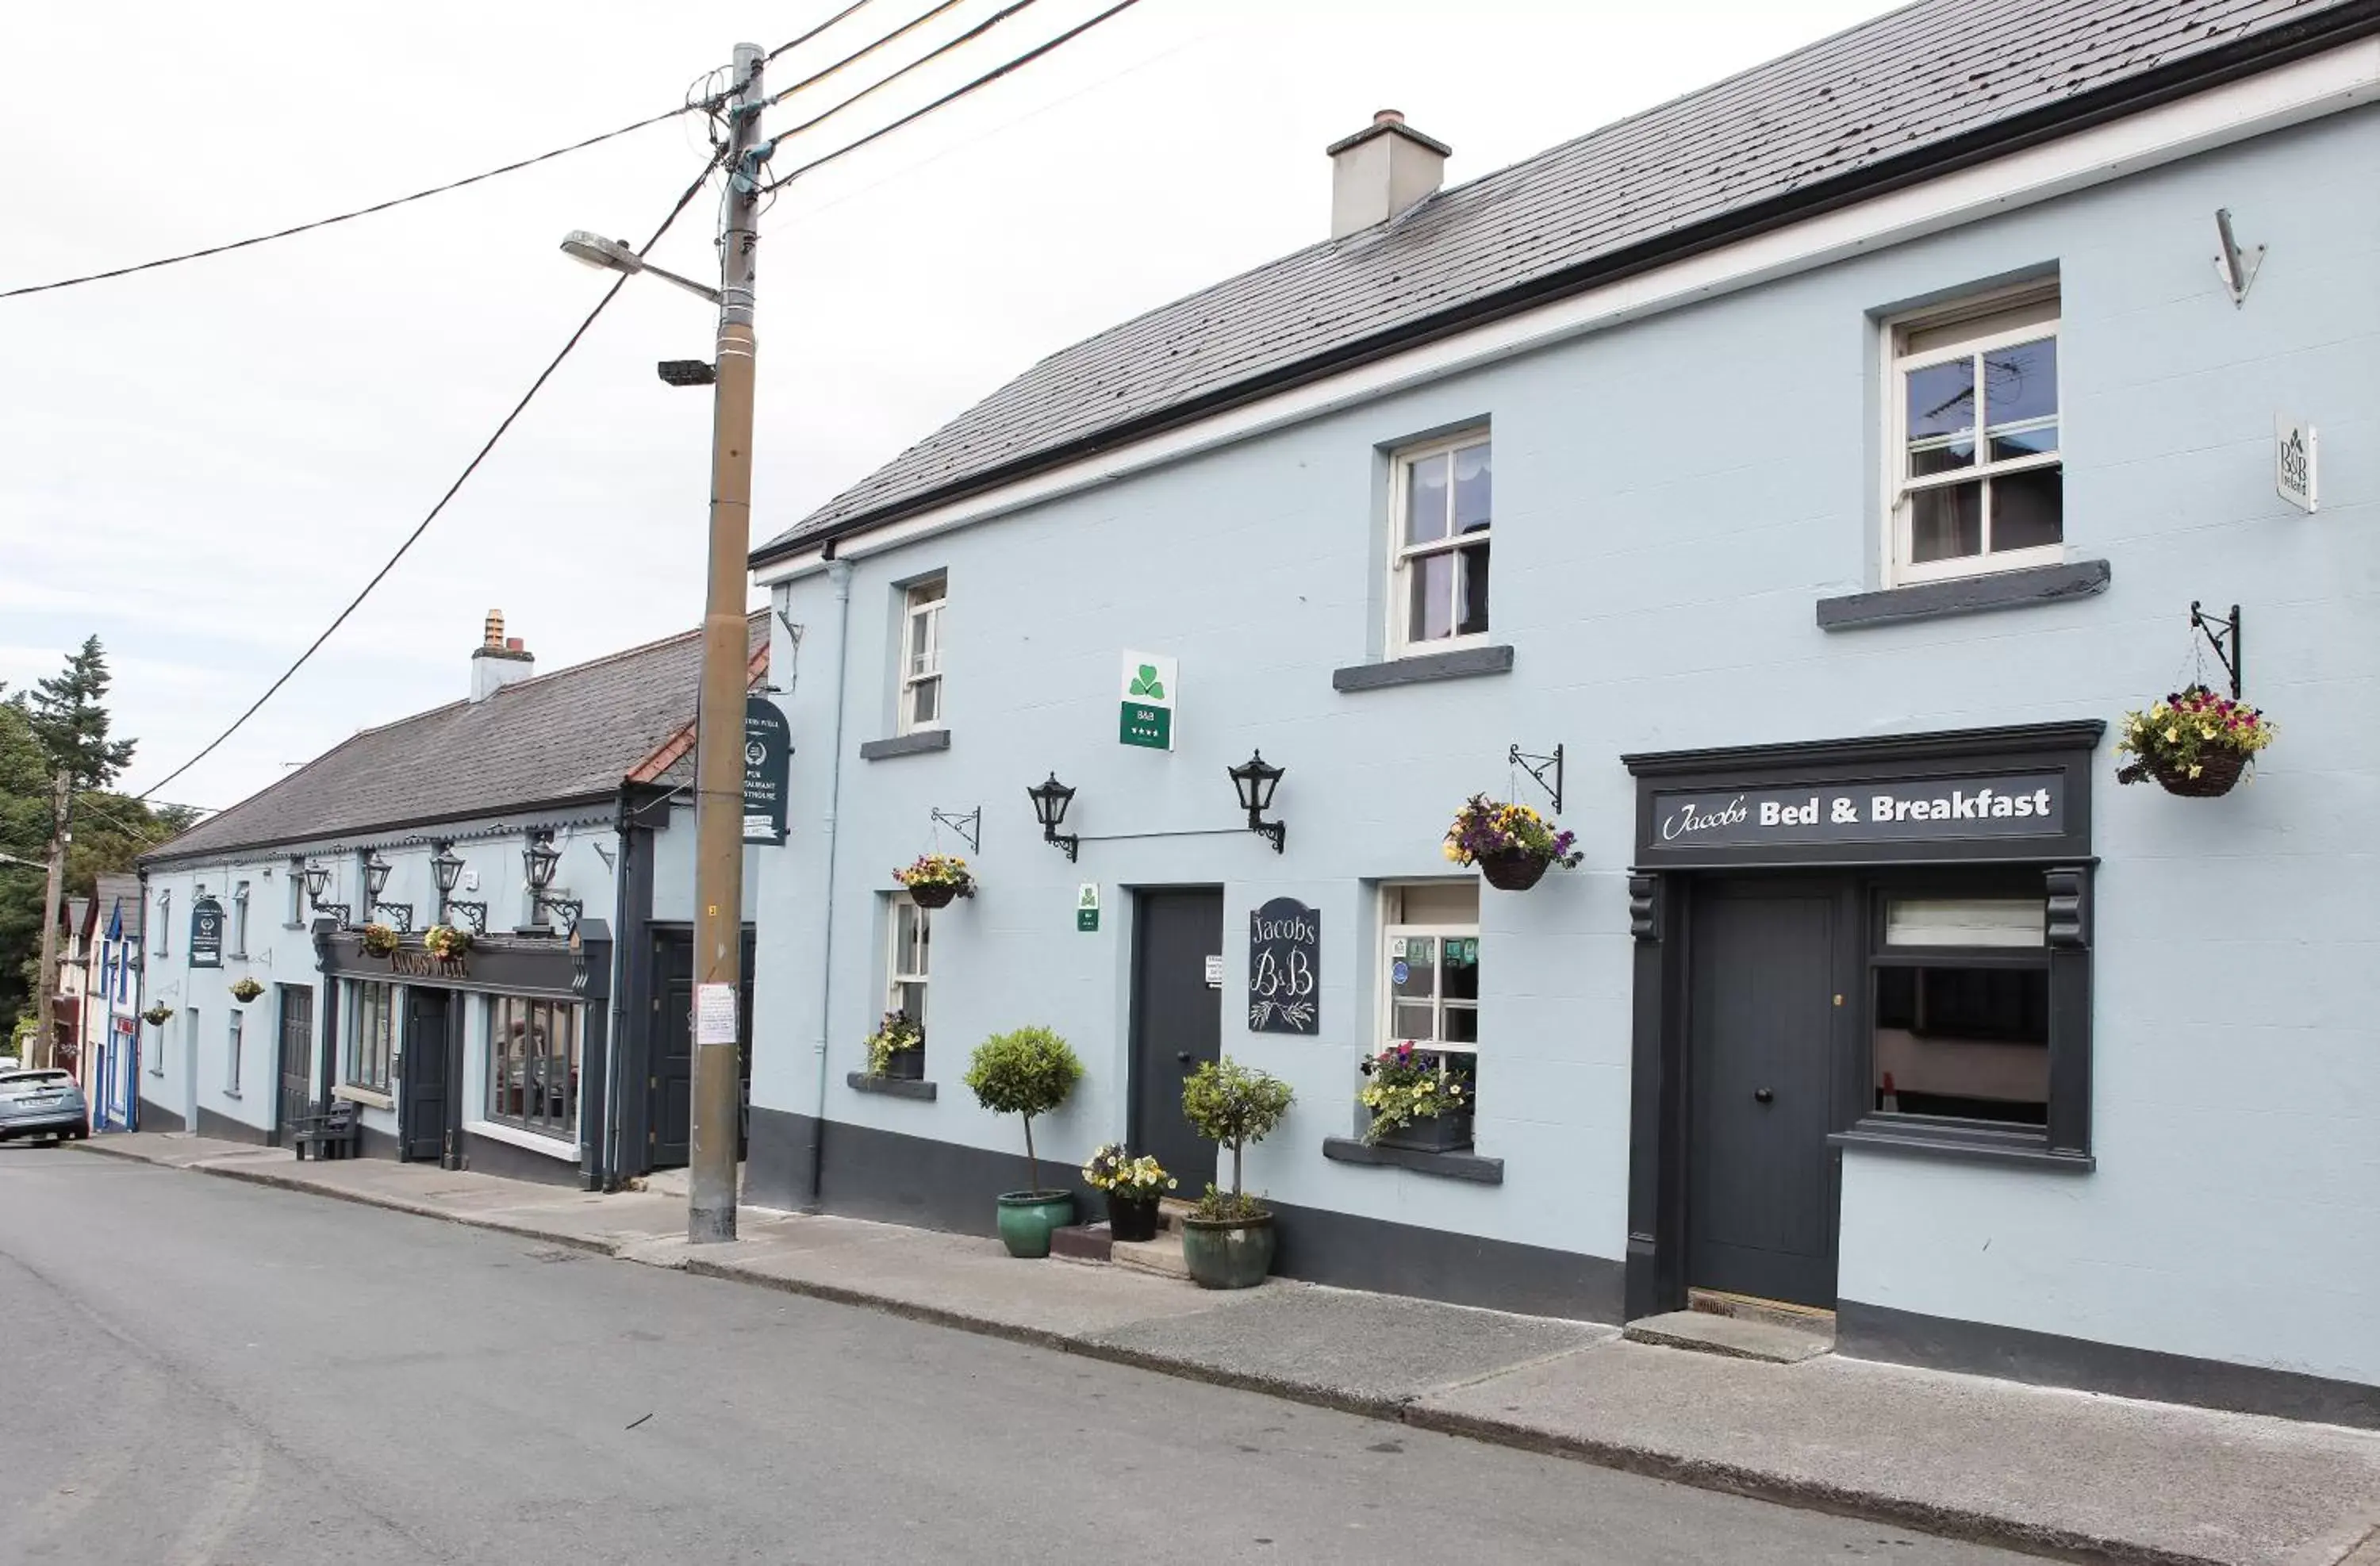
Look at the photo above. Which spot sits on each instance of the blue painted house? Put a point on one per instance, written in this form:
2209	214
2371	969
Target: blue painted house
1803	478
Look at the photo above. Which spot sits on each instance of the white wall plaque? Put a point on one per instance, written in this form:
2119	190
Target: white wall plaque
2294	476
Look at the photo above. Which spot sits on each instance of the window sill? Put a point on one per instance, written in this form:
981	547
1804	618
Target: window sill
1949	1142
363	1096
918	744
536	1142
1449	1165
1964	595
893	1087
1421	668
231	1093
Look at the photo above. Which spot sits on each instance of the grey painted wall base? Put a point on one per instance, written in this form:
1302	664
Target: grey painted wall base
373	1143
213	1123
488	1156
157	1116
1867	1331
892	1178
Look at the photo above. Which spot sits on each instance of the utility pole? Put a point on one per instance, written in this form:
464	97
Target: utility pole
726	655
43	1053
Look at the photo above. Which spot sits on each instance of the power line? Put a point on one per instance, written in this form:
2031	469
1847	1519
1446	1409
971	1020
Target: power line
469	468
792	44
344	217
906	28
953	96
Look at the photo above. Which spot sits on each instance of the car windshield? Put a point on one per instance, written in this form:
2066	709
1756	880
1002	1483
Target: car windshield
33	1081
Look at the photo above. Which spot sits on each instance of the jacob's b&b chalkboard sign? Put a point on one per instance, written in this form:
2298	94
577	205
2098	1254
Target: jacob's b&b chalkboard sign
1285	968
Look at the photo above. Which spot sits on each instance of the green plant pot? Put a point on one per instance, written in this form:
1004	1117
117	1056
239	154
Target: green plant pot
1027	1217
1227	1252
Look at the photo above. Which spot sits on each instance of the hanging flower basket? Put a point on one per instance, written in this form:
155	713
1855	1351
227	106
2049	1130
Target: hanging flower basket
379	940
2194	742
445	942
1512	845
158	1016
937	880
247	990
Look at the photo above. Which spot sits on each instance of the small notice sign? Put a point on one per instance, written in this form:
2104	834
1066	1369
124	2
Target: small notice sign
1145	718
1215	971
715	1014
2294	476
1087	908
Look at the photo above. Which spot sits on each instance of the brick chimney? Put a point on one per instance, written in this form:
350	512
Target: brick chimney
498	661
1380	171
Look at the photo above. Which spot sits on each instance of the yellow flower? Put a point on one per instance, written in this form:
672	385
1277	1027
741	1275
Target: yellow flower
2205	732
1452	852
2195	770
2172	735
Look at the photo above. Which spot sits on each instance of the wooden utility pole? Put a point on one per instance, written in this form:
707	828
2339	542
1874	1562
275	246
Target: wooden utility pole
43	1053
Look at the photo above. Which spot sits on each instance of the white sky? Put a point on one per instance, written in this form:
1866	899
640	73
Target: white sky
202	463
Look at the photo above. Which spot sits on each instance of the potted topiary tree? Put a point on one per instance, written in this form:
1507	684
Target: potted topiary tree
1227	1240
1028	1073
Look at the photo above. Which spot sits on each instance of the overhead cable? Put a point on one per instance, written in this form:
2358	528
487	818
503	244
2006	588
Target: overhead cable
912	25
469	468
986	79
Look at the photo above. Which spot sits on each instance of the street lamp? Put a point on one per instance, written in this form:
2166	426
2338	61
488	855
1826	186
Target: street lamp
375	882
1255	779
618	255
318	881
446	866
539	859
1050	802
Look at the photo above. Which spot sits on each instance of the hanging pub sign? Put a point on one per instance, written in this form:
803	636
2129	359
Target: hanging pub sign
1284	969
768	761
1902	810
206	933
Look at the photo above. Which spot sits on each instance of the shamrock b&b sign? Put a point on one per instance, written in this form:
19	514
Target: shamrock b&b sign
1147	717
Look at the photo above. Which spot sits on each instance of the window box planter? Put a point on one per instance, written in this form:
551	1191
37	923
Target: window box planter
1439	1134
905	1065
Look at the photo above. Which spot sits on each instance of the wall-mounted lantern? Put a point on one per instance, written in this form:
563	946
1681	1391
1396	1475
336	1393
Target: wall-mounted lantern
1050	802
375	882
318	881
537	861
1255	779
446	866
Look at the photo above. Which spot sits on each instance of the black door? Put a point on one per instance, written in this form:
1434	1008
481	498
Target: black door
426	1088
1760	1179
1177	1022
668	1101
296	1059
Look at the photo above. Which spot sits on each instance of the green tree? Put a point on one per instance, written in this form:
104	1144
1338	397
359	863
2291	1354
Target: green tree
69	715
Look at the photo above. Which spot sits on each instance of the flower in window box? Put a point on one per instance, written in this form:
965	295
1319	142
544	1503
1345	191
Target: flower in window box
1512	845
379	940
247	990
445	942
2194	742
897	1048
1416	1099
936	878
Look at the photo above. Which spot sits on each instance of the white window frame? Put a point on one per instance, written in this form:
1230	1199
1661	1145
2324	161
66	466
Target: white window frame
233	1040
239	895
351	1055
295	896
1401	554
1385	1004
915	609
896	974
1899	568
165	923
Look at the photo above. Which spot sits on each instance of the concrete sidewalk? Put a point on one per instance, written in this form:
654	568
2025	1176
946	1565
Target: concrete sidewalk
2063	1473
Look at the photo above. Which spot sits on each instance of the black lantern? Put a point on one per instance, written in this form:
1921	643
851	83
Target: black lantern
1255	779
375	882
1050	802
447	867
539	859
318	881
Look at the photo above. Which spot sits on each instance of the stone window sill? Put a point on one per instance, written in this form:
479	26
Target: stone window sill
1421	668
919	744
892	1087
1949	1142
1964	595
363	1096
1448	1165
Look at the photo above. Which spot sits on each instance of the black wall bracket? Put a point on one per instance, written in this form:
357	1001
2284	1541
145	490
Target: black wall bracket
2223	636
969	827
1538	767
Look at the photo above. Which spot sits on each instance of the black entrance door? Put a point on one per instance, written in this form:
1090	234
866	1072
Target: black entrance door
1760	1179
426	1087
1177	1022
296	1059
668	1097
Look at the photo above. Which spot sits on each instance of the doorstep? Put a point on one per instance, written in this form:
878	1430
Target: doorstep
1093	1243
1738	1337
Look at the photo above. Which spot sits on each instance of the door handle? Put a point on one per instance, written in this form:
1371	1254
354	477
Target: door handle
1763	1096
1182	1055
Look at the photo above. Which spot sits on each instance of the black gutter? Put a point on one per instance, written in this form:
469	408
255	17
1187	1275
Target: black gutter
2259	52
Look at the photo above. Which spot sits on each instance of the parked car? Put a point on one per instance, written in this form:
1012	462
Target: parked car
43	1103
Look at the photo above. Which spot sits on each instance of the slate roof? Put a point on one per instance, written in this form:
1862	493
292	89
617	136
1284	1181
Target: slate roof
120	890
1888	99
575	734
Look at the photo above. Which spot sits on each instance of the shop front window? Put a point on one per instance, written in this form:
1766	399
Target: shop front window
1961	996
371	1035
533	1065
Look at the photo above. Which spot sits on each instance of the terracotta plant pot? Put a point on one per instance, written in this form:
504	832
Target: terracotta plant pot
1027	1217
1227	1252
1512	871
935	896
2219	773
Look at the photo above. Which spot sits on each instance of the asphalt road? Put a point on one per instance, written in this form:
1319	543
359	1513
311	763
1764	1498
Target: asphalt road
203	1373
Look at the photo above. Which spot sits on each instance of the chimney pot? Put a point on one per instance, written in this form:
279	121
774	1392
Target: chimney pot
1380	171
512	644
499	660
493	634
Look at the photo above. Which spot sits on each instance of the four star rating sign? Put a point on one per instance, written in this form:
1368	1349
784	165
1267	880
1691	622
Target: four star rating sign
1146	716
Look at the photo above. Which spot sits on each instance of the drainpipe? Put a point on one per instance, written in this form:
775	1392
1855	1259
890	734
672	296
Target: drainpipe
607	1156
839	573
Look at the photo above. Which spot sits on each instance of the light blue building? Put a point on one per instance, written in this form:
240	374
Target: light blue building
1875	991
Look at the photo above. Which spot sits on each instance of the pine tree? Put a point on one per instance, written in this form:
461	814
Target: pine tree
69	716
